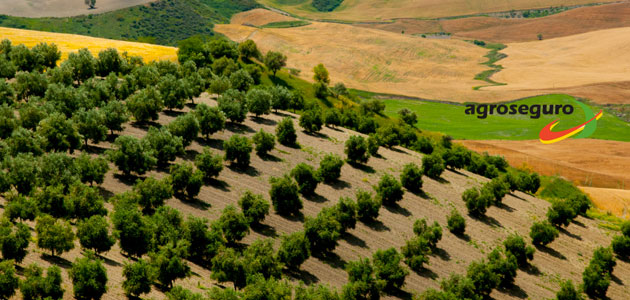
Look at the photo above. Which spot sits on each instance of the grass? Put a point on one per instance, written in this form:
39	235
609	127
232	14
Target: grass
493	56
164	22
449	118
286	24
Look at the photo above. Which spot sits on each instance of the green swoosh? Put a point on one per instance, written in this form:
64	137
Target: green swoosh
589	129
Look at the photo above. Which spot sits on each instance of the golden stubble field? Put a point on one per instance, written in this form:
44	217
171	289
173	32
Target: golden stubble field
72	42
565	258
379	10
61	8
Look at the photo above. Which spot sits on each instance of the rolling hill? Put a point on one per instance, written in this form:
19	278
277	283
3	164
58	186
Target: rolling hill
62	8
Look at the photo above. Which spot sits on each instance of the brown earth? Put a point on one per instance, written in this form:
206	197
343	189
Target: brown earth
62	8
504	30
259	17
586	162
615	201
564	259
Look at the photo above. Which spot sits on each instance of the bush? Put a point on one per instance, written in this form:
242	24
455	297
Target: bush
145	105
186	127
204	243
234	224
89	278
373	144
459	286
498	188
254	207
281	97
621	245
515	245
346	213
132	228
311	120
332	117
362	284
625	228
169	263
407	116
387	267
560	213
91	170
132	154
595	281
424	145
416	253
139	277
261	259
210	119
152	193
14	240
285	132
432	165
264	141
367	206
294	250
323	231
411	178
456	223
357	149
330	168
232	104
543	233
93	234
306	178
284	195
238	149
54	235
483	278
389	190
228	265
568	292
604	258
8	279
209	163
179	176
259	101
475	202
580	204
504	265
36	286
432	234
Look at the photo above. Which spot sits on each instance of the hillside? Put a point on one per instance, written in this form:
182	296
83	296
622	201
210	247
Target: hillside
62	8
379	10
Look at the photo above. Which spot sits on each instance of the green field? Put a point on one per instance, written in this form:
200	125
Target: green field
450	119
164	22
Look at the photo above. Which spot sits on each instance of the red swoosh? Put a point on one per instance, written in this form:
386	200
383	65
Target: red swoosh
547	136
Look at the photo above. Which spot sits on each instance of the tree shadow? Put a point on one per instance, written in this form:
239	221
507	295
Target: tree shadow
173	113
376	225
427	273
575	236
397	209
317	135
531	269
440	180
263	121
331	259
514	291
550	251
334	128
190	155
238	128
302	275
353	240
281	114
457	172
578	223
249	170
265	230
442	254
362	167
109	262
219	184
299	217
616	279
315	198
516	196
339	185
279	81
463	236
210	142
105	193
399	293
194	202
490	221
505	207
270	157
127	179
422	194
145	125
57	260
94	149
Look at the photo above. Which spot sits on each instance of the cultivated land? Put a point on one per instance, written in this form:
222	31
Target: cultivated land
71	43
566	257
571	61
586	162
61	8
507	30
375	10
259	17
614	201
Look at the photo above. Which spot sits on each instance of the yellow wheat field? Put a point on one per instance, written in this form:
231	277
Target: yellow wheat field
71	42
614	201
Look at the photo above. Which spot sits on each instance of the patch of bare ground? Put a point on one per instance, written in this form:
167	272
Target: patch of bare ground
564	259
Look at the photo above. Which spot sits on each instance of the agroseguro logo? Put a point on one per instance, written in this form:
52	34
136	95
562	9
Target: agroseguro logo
546	135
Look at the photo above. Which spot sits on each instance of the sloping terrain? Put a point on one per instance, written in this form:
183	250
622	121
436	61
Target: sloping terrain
71	43
373	10
565	258
259	17
615	201
62	8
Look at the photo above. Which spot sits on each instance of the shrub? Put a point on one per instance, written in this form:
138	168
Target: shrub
389	190
210	119
595	281
209	163
625	228
346	213
186	127
258	101
373	144
93	234
169	264
367	206
621	245
132	228
459	286
238	149
145	105
456	223
424	145
332	117
91	170
294	250
323	231
232	104
254	207
306	178
285	132
482	277
281	97
14	240
139	277
580	204
132	154
415	252
432	165
432	234
407	116
54	235
504	265
362	284
515	245
89	278
36	286
475	203
261	259
498	188
8	279
311	120
357	149
264	141
387	267
568	292
284	195
234	224
330	168
411	178
604	258
152	193
543	233
560	213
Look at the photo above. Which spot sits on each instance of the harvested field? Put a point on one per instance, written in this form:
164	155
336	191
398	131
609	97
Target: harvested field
565	258
586	162
71	42
62	8
576	60
374	10
614	201
259	17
